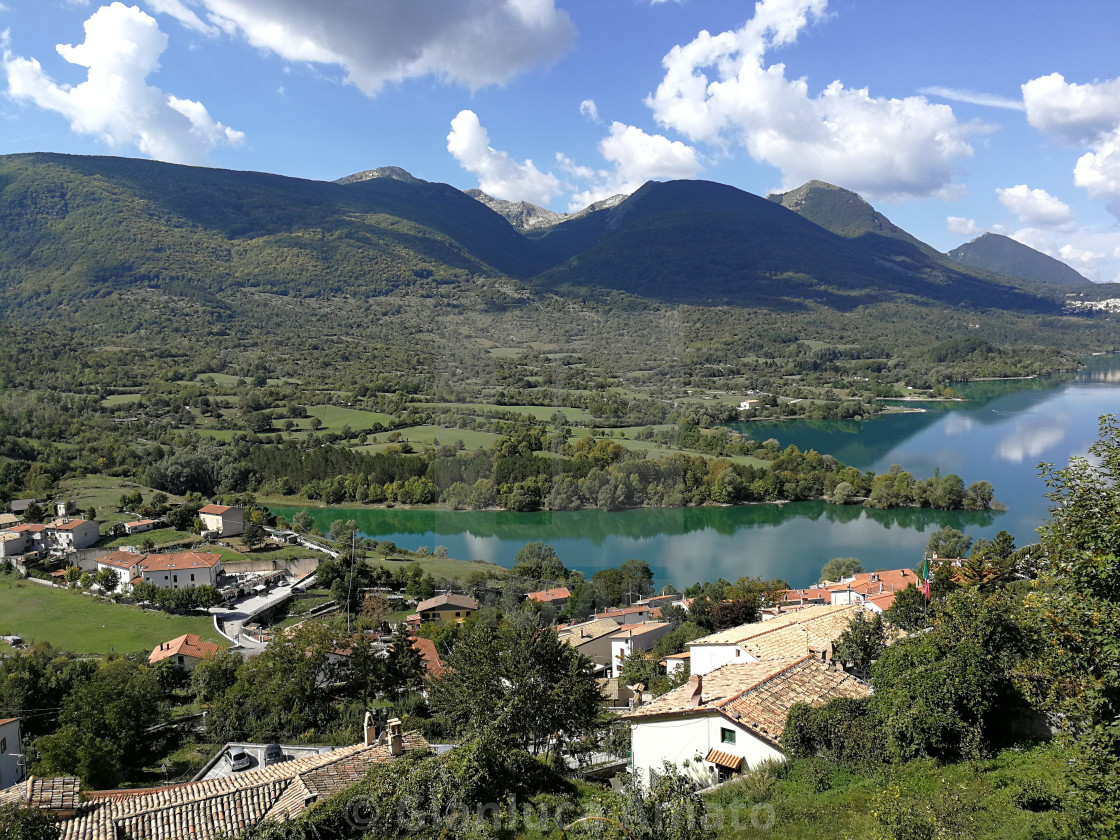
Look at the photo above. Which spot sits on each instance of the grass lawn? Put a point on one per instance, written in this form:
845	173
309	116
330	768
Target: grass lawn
120	399
427	435
102	492
441	567
334	417
160	536
86	624
540	412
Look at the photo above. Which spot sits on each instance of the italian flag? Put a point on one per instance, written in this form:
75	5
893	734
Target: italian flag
925	578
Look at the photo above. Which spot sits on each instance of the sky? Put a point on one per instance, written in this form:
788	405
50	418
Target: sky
953	117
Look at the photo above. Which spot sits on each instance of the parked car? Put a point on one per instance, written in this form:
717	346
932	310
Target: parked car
239	759
273	755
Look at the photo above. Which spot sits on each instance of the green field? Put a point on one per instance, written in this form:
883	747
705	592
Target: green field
540	412
161	536
120	399
441	567
102	492
334	417
428	435
86	624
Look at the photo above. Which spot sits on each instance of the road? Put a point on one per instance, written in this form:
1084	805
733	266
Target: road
229	621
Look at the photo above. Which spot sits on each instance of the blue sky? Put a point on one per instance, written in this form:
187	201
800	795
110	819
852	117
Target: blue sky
952	117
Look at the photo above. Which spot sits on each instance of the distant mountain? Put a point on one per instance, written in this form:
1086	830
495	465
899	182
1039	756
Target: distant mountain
993	252
702	242
393	172
529	217
846	214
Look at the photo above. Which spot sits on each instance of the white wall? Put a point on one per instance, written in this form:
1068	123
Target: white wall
181	578
682	739
706	658
10	771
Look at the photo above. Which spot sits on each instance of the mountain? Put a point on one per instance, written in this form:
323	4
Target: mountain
994	252
702	242
528	217
393	172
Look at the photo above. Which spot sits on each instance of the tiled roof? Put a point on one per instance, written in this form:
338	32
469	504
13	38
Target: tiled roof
545	595
883	602
724	759
222	807
867	583
757	696
216	509
578	634
32	527
68	524
744	632
179	560
5	721
627	631
819	594
121	559
440	602
186	645
59	794
140	522
427	650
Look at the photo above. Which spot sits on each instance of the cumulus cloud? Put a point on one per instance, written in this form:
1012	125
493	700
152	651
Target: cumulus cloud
122	47
1036	208
637	157
719	89
498	174
589	109
962	226
472	42
1098	171
973	97
1077	114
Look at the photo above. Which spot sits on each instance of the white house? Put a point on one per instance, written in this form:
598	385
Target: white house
139	526
227	521
14	543
125	564
186	651
632	637
36	534
731	719
812	630
181	570
11	753
72	534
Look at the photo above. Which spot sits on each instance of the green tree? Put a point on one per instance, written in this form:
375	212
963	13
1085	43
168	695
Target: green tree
302	522
910	610
861	643
538	561
948	543
211	678
19	823
839	568
253	536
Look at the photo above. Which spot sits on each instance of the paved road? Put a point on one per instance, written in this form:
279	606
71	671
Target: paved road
231	620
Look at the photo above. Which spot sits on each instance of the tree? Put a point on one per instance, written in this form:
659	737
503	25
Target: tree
948	543
1075	671
637	578
839	568
211	678
910	610
538	561
524	678
728	614
302	522
861	643
253	536
21	823
107	579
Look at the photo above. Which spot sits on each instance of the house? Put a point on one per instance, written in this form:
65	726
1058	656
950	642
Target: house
235	804
811	630
126	565
181	570
223	519
429	656
7	520
591	638
859	587
69	534
186	651
139	526
19	506
747	405
557	597
626	615
635	637
13	543
448	608
731	719
11	753
676	662
35	532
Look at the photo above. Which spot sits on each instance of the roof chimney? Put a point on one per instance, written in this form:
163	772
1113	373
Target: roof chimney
396	737
370	729
696	683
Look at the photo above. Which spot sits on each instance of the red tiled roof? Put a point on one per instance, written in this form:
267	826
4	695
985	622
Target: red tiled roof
179	560
28	526
140	522
217	509
69	525
724	759
6	721
121	559
427	650
559	593
186	645
869	583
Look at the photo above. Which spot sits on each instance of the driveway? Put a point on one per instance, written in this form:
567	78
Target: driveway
230	620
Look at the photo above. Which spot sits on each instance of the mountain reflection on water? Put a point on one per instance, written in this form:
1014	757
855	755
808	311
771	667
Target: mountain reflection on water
1000	435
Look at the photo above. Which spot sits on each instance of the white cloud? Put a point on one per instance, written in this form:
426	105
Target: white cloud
973	97
1077	114
472	42
498	174
637	157
883	148
122	47
1098	171
177	10
1036	208
589	109
962	226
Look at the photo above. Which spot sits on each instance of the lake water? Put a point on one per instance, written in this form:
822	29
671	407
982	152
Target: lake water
1000	435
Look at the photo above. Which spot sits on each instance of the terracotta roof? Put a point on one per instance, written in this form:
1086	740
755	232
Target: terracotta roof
121	559
179	560
69	524
811	594
427	650
627	631
634	610
218	509
866	583
685	655
883	602
33	527
186	645
6	721
744	632
140	522
757	696
217	808
544	595
59	794
441	602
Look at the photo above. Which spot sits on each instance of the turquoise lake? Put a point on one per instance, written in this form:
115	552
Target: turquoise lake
1000	434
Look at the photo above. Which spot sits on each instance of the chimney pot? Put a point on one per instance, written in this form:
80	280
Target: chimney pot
696	682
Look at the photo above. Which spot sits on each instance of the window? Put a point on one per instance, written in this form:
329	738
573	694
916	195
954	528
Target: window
180	660
457	615
174	578
192	577
727	736
3	745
